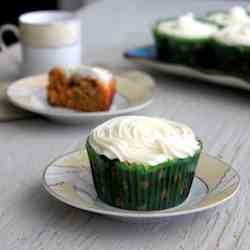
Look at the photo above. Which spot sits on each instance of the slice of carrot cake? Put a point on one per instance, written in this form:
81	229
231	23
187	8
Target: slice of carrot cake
86	88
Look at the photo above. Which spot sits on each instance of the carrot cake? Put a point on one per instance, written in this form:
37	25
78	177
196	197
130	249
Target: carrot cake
143	163
87	89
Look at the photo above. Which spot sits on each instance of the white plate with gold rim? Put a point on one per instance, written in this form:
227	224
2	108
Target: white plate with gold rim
68	178
135	91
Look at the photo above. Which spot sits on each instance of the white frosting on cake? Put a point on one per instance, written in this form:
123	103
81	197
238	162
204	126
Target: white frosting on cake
236	15
235	35
96	72
187	26
145	140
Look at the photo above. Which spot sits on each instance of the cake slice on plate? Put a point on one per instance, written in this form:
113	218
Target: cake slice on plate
87	89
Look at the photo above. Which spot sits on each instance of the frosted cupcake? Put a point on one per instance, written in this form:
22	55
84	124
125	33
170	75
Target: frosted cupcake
231	48
184	40
143	163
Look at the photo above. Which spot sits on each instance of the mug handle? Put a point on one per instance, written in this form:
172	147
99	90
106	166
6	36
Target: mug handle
7	28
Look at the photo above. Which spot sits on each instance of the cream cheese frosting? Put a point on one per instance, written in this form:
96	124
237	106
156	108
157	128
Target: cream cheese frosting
145	140
187	26
96	72
236	15
234	35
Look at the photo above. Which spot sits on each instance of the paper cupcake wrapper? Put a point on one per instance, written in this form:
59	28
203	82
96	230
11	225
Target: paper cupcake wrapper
232	59
139	187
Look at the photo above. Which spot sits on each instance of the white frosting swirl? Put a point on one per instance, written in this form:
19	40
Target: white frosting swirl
234	35
236	15
187	26
96	72
145	140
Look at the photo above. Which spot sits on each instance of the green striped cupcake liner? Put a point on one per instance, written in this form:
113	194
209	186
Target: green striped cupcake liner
140	187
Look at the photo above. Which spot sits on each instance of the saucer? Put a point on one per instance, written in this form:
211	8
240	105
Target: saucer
135	91
68	178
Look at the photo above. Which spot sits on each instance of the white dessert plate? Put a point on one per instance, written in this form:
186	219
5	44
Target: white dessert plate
134	92
68	179
146	56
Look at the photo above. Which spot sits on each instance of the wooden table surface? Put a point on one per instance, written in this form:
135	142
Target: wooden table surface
31	219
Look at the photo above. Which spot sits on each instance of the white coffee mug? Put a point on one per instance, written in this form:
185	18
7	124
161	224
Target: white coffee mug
48	39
